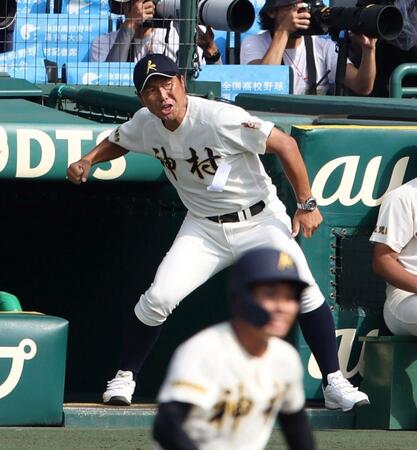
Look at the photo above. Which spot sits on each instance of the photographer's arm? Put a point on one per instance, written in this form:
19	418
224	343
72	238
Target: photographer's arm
139	13
205	40
288	19
276	49
362	80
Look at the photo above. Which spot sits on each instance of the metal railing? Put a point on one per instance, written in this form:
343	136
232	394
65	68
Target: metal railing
396	88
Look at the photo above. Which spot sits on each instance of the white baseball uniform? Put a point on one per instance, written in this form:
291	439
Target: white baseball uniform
397	227
212	159
235	396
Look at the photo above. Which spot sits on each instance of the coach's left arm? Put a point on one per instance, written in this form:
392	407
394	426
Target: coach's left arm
286	148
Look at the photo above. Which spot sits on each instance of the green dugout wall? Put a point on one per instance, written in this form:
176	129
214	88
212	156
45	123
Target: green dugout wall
85	253
350	169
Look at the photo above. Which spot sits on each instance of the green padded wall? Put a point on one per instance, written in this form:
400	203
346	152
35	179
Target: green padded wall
350	168
32	369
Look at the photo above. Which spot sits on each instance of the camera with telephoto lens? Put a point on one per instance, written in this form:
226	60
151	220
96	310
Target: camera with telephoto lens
227	15
373	20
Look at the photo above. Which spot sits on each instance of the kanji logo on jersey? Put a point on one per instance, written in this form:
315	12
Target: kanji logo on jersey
230	407
253	125
379	229
208	166
168	162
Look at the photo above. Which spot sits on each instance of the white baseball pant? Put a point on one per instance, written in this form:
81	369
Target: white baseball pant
400	312
202	248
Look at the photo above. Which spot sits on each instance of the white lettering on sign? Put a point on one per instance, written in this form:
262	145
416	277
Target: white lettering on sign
117	166
25	351
25	136
343	193
4	149
74	138
30	142
344	354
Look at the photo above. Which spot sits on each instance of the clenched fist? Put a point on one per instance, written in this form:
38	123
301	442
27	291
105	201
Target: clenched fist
78	171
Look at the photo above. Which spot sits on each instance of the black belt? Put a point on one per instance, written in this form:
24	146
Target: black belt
241	215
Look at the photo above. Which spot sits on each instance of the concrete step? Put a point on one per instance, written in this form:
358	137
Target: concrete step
95	415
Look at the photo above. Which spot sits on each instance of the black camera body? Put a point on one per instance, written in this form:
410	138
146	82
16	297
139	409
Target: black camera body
228	15
375	21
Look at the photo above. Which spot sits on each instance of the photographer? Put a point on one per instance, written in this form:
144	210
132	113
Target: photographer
136	38
312	59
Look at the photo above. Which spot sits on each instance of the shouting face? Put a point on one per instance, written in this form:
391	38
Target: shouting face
166	98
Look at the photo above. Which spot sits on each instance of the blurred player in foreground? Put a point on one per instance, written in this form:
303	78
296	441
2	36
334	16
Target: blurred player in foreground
226	385
210	152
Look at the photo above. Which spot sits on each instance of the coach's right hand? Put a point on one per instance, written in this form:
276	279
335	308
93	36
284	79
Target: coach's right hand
78	171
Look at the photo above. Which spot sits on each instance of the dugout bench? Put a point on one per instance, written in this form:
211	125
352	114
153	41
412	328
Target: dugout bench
390	380
32	366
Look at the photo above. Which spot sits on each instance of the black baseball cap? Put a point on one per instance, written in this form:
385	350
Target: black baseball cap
151	65
272	4
265	265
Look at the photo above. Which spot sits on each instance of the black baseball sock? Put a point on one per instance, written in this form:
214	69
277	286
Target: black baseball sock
319	332
138	342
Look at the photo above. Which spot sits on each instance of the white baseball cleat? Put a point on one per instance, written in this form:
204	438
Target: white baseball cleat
340	394
120	389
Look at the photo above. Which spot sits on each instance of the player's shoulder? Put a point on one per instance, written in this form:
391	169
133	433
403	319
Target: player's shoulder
285	353
207	342
212	112
279	345
142	116
405	192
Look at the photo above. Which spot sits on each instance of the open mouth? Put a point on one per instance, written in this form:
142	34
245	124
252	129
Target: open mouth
166	109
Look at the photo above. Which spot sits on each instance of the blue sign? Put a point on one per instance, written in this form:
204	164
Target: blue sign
31	6
86	7
26	63
256	79
101	73
62	37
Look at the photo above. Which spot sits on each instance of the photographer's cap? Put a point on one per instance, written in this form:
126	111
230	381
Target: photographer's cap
272	4
153	64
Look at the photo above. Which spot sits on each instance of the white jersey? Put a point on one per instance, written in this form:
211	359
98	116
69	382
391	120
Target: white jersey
255	47
213	137
397	224
235	396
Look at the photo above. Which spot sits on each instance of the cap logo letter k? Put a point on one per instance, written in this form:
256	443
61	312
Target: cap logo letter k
151	66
